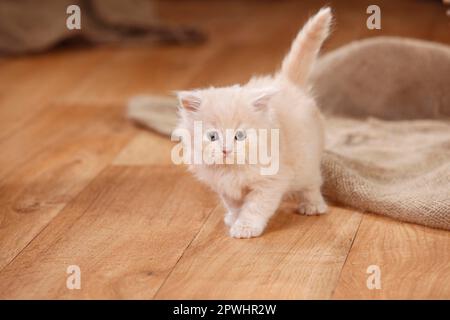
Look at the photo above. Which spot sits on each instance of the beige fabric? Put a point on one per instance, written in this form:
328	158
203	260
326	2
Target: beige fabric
385	77
155	112
396	168
32	26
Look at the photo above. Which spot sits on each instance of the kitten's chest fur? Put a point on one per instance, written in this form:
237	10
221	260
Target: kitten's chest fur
234	184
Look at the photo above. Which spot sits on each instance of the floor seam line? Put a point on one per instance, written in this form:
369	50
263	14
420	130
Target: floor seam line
185	249
59	212
348	253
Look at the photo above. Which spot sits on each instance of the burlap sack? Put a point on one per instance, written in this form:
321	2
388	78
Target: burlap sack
398	168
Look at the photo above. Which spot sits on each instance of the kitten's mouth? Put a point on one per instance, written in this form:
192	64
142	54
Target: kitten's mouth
229	155
225	159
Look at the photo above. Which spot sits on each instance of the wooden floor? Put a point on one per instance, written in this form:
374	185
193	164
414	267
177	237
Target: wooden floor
80	185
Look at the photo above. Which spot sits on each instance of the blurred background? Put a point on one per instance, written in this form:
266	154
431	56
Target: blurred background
131	47
244	35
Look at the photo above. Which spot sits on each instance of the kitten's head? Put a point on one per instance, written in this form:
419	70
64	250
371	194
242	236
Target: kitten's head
227	117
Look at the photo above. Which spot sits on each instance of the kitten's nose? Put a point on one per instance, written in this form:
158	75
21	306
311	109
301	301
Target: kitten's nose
225	151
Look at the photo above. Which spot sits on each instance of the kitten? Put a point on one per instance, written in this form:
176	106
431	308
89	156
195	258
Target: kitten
279	102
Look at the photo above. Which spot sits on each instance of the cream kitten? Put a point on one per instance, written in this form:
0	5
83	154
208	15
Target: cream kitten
279	102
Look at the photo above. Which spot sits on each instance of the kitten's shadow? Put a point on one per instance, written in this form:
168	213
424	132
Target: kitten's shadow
288	219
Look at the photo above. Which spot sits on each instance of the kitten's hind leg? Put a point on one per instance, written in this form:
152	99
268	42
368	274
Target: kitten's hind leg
312	202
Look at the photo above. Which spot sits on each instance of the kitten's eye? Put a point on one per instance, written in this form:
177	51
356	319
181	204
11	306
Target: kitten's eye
240	135
212	135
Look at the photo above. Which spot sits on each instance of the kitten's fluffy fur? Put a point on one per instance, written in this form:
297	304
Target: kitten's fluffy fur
279	101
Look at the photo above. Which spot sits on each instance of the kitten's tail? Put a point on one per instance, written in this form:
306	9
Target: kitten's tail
304	50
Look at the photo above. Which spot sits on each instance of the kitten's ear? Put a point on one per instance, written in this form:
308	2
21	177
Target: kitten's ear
189	100
262	97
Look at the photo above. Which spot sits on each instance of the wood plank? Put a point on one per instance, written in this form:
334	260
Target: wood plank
413	260
57	126
68	139
146	148
138	70
63	150
23	92
298	257
54	128
124	231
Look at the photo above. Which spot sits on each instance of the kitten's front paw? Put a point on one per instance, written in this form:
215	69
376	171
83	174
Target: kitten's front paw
309	209
245	229
230	218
